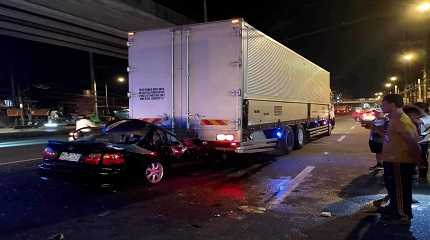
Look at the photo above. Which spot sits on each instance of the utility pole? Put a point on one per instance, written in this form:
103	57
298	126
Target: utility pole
205	10
21	105
12	84
106	97
93	83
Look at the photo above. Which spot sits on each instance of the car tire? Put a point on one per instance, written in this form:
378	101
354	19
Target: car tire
155	172
299	137
286	143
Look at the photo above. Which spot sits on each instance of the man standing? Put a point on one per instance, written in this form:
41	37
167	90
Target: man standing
424	131
400	154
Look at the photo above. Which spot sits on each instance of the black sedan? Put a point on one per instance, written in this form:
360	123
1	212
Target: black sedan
124	148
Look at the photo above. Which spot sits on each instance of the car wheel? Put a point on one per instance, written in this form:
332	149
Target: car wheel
154	172
299	137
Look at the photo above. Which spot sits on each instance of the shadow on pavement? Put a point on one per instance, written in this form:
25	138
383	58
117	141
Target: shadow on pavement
360	227
367	184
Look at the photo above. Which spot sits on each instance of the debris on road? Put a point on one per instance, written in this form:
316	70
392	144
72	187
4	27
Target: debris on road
58	236
252	209
196	226
232	214
326	214
104	214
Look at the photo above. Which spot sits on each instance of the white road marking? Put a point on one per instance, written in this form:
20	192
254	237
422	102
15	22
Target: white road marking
285	191
341	138
20	161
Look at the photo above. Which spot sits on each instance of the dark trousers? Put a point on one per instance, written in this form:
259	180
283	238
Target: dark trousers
424	154
398	181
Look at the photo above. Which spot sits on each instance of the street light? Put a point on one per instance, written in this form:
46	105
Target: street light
393	78
423	7
408	57
388	85
120	80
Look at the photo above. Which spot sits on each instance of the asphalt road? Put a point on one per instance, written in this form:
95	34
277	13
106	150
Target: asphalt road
255	197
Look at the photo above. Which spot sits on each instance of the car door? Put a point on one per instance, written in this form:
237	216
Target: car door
177	147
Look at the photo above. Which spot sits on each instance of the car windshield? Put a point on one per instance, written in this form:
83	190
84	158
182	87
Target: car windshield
121	132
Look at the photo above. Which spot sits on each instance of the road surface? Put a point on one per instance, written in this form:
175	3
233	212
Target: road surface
256	197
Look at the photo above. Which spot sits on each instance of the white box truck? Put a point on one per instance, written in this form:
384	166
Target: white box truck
230	85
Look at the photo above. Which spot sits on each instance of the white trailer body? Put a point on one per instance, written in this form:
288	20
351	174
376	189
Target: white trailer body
225	82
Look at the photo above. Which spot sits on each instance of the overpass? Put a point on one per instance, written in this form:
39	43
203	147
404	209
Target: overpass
359	101
96	26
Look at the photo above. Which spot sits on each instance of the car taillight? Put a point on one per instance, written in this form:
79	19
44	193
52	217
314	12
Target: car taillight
113	159
93	159
49	153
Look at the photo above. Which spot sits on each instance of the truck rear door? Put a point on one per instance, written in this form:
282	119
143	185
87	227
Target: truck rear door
215	80
150	74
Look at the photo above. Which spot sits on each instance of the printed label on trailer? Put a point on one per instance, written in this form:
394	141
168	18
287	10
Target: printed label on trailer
151	94
278	110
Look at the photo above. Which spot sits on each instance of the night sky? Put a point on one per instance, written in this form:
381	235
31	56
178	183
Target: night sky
358	42
45	69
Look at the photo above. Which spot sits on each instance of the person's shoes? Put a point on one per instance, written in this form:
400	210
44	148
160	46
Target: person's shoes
392	220
381	202
376	167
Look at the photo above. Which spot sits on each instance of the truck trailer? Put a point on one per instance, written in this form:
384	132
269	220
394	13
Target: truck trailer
228	84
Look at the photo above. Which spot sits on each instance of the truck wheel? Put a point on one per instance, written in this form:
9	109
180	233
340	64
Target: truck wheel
286	144
329	128
299	137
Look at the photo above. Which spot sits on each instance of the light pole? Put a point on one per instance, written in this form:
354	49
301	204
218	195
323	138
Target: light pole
422	11
388	87
205	11
93	82
394	80
407	58
120	80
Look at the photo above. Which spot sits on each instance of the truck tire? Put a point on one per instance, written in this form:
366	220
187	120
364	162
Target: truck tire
299	137
329	128
286	144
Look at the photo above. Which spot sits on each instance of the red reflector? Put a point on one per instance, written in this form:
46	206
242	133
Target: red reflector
113	159
48	153
93	159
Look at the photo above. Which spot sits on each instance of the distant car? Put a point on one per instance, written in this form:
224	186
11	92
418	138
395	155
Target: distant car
367	116
122	149
341	109
356	113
